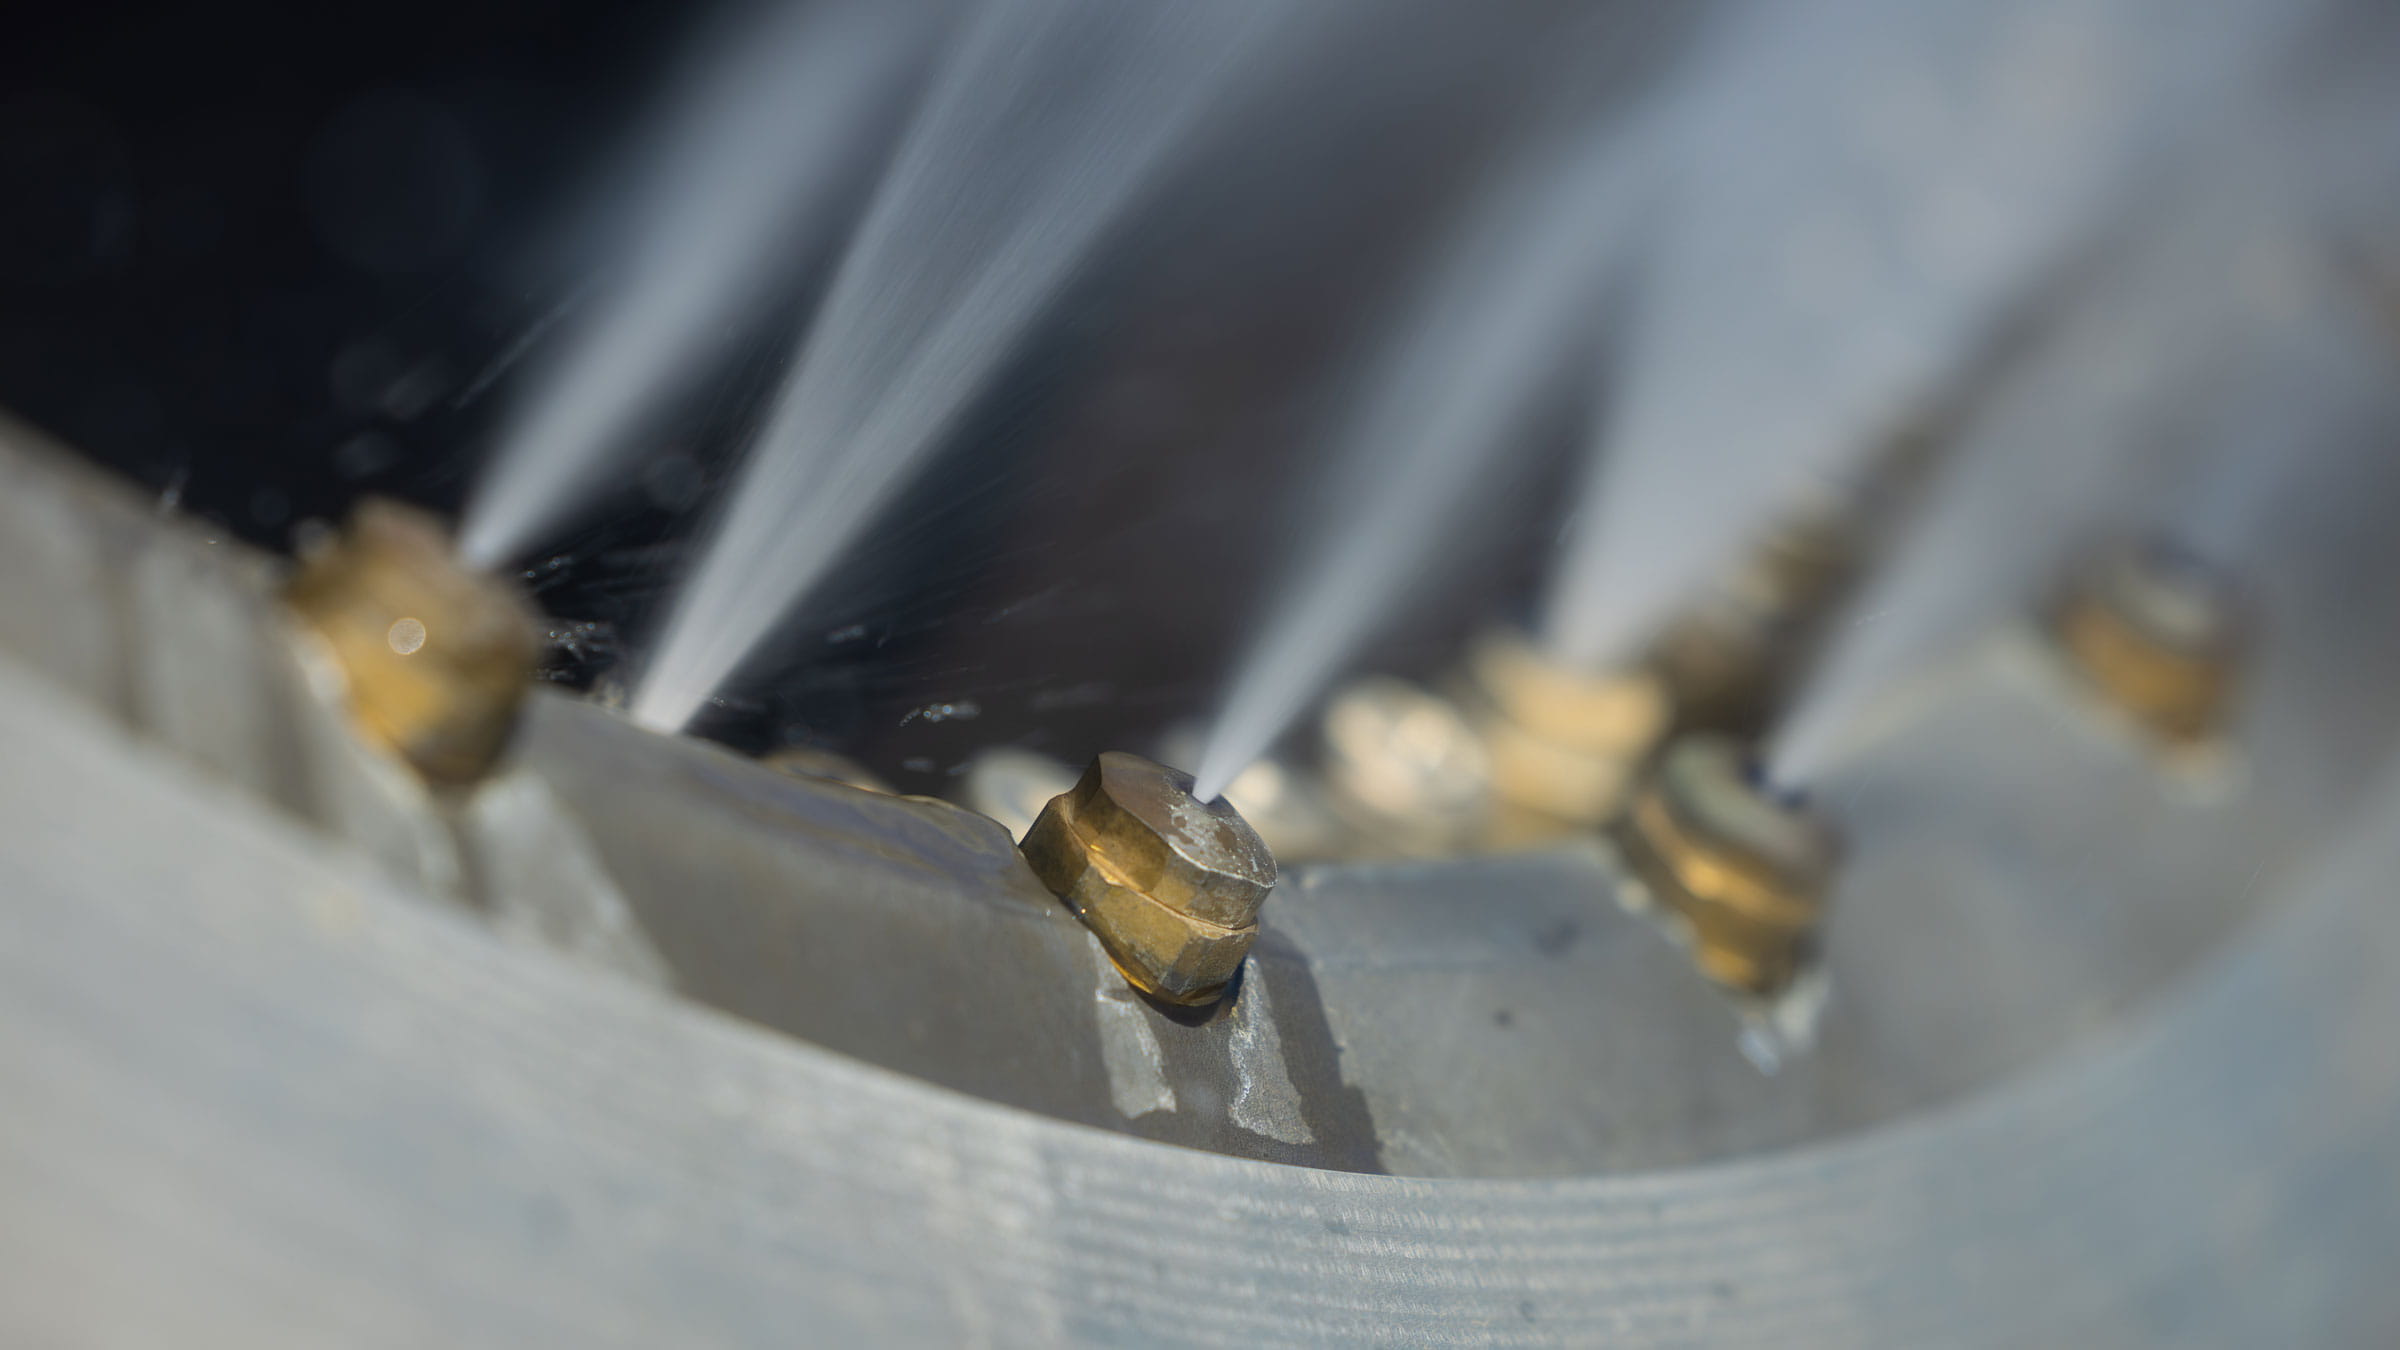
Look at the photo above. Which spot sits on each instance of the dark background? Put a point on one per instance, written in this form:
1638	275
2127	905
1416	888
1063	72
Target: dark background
265	260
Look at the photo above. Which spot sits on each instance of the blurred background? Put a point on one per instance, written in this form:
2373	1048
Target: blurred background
266	262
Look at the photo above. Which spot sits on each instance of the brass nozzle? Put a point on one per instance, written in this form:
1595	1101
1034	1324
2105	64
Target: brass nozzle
1730	658
1566	746
1170	884
1747	870
2158	632
434	658
1405	767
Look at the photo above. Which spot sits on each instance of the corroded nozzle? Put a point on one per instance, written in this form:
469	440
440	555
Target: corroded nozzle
2158	632
434	659
1747	869
1170	884
1566	746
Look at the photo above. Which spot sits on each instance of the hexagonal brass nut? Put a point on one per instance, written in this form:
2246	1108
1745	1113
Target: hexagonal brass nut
434	659
1170	885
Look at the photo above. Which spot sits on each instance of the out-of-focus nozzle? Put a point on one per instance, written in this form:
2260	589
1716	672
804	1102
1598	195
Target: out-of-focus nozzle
1012	785
434	658
2158	632
1405	768
1170	884
1731	658
1565	746
1747	869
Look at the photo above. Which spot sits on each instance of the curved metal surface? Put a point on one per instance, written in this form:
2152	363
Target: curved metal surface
259	1094
293	1052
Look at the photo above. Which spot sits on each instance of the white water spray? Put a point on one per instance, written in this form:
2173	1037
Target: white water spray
2231	319
1046	121
747	176
1868	183
1469	364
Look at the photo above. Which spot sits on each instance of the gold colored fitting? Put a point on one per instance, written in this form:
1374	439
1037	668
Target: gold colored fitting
2158	632
1747	871
1404	766
808	761
1730	659
1565	746
1170	884
434	658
